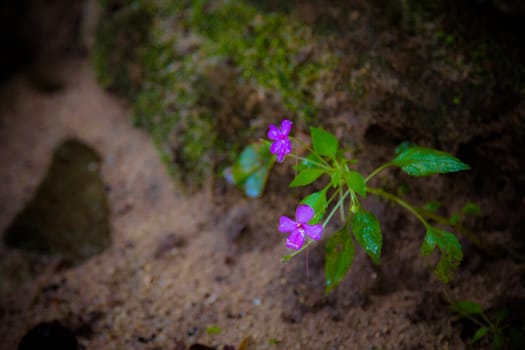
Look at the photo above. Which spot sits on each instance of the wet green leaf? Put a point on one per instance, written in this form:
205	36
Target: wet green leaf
466	307
432	206
480	333
471	209
324	143
317	201
356	182
306	177
367	231
403	146
451	252
421	161
454	219
251	169
339	253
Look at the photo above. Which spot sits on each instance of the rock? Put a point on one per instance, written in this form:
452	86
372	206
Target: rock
68	215
48	335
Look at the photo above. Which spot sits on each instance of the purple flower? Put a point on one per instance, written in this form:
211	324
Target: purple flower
282	145
299	227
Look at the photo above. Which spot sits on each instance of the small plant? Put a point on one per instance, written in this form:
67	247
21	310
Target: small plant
344	188
501	334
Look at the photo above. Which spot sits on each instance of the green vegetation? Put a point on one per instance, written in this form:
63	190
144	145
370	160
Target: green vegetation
496	326
196	74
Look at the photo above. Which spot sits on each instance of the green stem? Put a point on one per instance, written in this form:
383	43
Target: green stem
397	200
341	207
326	167
377	171
458	227
331	197
334	209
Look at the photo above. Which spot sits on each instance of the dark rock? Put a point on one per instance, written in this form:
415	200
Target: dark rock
49	335
68	215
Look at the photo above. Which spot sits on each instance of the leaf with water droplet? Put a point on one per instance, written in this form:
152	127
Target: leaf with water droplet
250	170
339	254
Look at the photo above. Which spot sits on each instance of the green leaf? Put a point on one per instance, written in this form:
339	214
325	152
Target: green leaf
367	231
454	219
451	253
317	201
306	177
212	329
432	206
403	146
501	315
335	179
311	161
471	209
421	161
339	254
356	182
466	307
480	333
498	341
250	170
324	143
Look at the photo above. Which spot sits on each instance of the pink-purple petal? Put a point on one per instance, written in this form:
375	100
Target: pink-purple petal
304	213
274	133
286	126
286	224
276	147
314	231
295	240
287	146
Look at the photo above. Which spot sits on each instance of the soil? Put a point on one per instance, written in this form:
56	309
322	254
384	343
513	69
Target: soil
204	268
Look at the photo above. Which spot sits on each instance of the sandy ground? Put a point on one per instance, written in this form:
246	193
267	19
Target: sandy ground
170	273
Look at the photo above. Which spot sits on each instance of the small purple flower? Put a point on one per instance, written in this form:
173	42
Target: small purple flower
299	227
282	145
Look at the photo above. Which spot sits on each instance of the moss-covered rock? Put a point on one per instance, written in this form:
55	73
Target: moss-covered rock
199	74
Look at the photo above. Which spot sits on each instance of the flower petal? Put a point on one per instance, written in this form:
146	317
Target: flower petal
295	240
313	231
286	126
273	133
304	213
286	224
287	146
276	147
280	157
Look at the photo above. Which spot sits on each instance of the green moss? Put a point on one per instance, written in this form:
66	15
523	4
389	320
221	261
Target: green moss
119	39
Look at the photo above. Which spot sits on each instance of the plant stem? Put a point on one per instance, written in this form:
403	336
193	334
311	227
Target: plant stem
334	209
458	227
377	171
397	200
341	209
326	167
